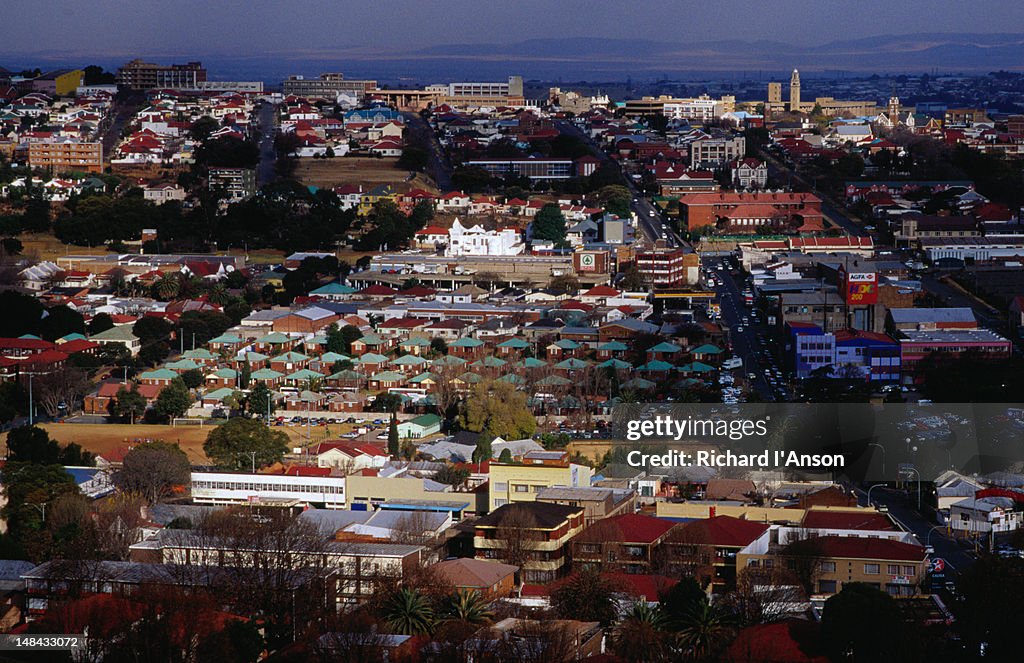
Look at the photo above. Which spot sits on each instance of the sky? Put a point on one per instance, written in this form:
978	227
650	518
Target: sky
259	27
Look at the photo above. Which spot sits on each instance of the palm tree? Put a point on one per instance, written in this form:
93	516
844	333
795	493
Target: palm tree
167	286
702	629
218	294
640	637
469	606
408	612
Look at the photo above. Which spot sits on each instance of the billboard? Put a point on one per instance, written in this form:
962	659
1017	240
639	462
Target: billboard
861	288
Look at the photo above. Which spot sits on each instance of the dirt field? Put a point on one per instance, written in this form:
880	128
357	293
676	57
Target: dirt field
101	438
368	171
49	247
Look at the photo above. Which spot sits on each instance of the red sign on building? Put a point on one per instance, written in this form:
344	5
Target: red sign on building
861	288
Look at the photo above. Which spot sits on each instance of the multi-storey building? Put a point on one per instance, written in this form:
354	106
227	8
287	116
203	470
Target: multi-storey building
239	488
522	482
667	268
66	155
237	183
745	212
716	151
327	86
139	75
625	543
532	535
534	169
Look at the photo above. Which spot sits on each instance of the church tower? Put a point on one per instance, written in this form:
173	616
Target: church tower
794	92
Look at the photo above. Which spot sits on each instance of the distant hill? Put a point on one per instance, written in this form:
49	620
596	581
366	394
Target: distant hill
961	52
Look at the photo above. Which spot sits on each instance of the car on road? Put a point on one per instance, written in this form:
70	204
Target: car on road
739	329
650	213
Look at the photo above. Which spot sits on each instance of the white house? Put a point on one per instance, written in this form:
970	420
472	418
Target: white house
475	241
974	516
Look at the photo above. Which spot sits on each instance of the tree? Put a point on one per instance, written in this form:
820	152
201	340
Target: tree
260	402
193	378
862	623
174	400
244	375
153	469
32	444
232	445
100	322
60	390
128	404
632	279
987	588
408	612
549	224
468	606
451	475
498	408
59	321
641	637
483	451
393	437
340	340
703	631
586	596
505	456
203	127
387	402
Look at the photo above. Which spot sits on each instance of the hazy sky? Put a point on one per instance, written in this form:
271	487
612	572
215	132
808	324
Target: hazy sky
240	27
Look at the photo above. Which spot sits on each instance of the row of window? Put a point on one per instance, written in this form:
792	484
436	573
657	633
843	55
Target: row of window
268	487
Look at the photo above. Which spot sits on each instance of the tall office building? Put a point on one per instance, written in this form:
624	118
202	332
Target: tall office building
794	92
775	93
139	75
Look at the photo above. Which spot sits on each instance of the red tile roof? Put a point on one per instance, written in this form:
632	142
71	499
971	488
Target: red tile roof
628	528
859	520
854	547
651	587
719	531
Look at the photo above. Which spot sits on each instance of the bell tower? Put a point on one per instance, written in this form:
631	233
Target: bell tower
794	92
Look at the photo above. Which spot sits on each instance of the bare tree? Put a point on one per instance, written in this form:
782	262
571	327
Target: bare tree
803	555
514	533
764	595
64	386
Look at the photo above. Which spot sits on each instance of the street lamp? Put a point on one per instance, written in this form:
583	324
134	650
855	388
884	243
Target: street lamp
928	539
872	488
914	469
253	455
875	444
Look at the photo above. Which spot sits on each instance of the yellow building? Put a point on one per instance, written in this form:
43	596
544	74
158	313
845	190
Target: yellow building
520	482
59	83
374	196
759	514
60	156
368	492
892	562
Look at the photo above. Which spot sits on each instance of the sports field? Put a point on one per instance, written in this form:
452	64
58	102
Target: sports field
101	438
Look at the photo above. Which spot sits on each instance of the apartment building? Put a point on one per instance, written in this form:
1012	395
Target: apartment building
534	535
621	544
745	212
237	183
668	268
522	482
716	151
327	86
140	75
532	168
890	560
65	155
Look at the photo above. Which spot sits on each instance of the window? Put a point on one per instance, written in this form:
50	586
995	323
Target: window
894	569
498	503
828	567
754	562
909	570
769	563
872	569
501	485
520	488
826	586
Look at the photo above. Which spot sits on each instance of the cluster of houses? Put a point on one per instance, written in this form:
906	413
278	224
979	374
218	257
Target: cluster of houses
375	131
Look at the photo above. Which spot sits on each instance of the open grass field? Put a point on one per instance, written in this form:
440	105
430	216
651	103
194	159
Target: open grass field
368	171
102	438
48	247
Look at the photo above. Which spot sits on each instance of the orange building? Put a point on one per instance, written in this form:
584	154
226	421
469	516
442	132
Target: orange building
747	212
65	155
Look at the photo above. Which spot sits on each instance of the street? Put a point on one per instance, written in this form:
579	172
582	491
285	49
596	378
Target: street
268	156
752	344
928	533
437	165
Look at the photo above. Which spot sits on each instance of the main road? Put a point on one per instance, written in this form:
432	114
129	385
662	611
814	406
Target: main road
268	131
